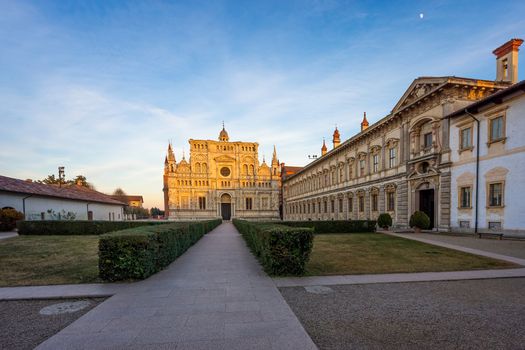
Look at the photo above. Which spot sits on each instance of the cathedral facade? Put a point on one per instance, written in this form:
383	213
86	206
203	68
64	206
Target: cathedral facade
221	179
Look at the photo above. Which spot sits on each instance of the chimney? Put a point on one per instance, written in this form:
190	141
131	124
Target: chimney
507	61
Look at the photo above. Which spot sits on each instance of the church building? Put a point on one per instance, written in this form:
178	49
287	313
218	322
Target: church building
221	179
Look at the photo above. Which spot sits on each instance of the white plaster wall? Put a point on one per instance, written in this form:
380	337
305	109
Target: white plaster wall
512	159
35	205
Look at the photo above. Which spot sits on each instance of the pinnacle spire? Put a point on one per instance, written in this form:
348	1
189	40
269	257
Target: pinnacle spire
364	123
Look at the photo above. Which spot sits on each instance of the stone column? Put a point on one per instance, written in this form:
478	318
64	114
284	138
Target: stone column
402	198
382	199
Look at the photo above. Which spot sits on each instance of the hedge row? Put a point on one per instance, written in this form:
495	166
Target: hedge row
80	227
335	226
140	252
282	250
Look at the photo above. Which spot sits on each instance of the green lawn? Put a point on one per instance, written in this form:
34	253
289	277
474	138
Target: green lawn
366	253
40	260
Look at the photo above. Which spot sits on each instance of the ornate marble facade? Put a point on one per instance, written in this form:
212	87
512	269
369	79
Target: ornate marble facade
221	179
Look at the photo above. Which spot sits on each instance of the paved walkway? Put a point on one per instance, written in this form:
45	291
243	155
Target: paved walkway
4	235
215	296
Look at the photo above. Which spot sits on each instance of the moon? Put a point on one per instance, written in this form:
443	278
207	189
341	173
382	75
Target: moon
421	15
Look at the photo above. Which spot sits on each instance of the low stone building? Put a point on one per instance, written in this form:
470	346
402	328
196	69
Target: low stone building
50	202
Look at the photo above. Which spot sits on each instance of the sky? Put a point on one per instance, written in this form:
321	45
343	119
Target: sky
101	87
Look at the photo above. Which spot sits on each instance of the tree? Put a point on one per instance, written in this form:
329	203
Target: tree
49	180
78	180
119	192
156	212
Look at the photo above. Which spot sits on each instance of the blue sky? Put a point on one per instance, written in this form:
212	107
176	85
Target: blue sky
101	86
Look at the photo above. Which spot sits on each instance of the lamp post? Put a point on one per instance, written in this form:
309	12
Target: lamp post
61	175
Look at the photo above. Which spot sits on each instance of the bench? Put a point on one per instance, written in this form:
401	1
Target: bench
491	234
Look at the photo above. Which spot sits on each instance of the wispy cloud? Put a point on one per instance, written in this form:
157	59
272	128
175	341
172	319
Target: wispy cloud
101	87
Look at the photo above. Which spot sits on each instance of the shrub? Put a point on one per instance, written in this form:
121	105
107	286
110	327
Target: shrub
139	252
282	250
384	220
8	219
420	220
80	227
335	226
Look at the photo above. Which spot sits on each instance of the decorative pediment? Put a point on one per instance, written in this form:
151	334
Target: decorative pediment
392	142
224	158
419	88
375	149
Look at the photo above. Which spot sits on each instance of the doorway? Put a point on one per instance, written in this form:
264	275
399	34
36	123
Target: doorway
226	206
426	204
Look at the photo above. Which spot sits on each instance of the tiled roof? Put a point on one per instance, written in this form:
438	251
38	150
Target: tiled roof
73	192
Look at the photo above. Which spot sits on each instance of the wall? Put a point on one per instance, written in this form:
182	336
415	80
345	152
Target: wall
36	205
498	161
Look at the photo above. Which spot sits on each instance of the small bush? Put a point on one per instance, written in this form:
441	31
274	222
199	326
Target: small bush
335	226
8	219
139	252
80	227
384	220
420	220
282	250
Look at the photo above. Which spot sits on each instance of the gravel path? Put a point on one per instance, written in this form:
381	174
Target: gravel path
22	327
476	314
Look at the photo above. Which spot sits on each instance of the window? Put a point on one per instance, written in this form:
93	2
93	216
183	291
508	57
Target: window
466	138
340	205
392	157
341	174
332	206
390	201
497	131
350	204
202	203
313	208
374	202
361	204
505	66
427	140
496	194
464	197
362	167
325	206
376	163
248	203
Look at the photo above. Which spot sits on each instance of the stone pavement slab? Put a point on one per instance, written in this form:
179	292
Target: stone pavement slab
62	291
215	296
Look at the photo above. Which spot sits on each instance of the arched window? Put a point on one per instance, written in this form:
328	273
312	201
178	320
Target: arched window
252	170
204	168
197	167
245	169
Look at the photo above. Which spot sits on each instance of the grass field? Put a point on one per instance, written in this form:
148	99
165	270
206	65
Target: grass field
40	260
349	254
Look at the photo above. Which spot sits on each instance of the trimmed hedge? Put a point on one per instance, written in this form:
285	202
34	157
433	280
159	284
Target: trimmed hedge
140	252
80	227
282	250
335	226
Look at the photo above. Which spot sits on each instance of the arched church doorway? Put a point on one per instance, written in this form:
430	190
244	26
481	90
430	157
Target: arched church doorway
226	206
